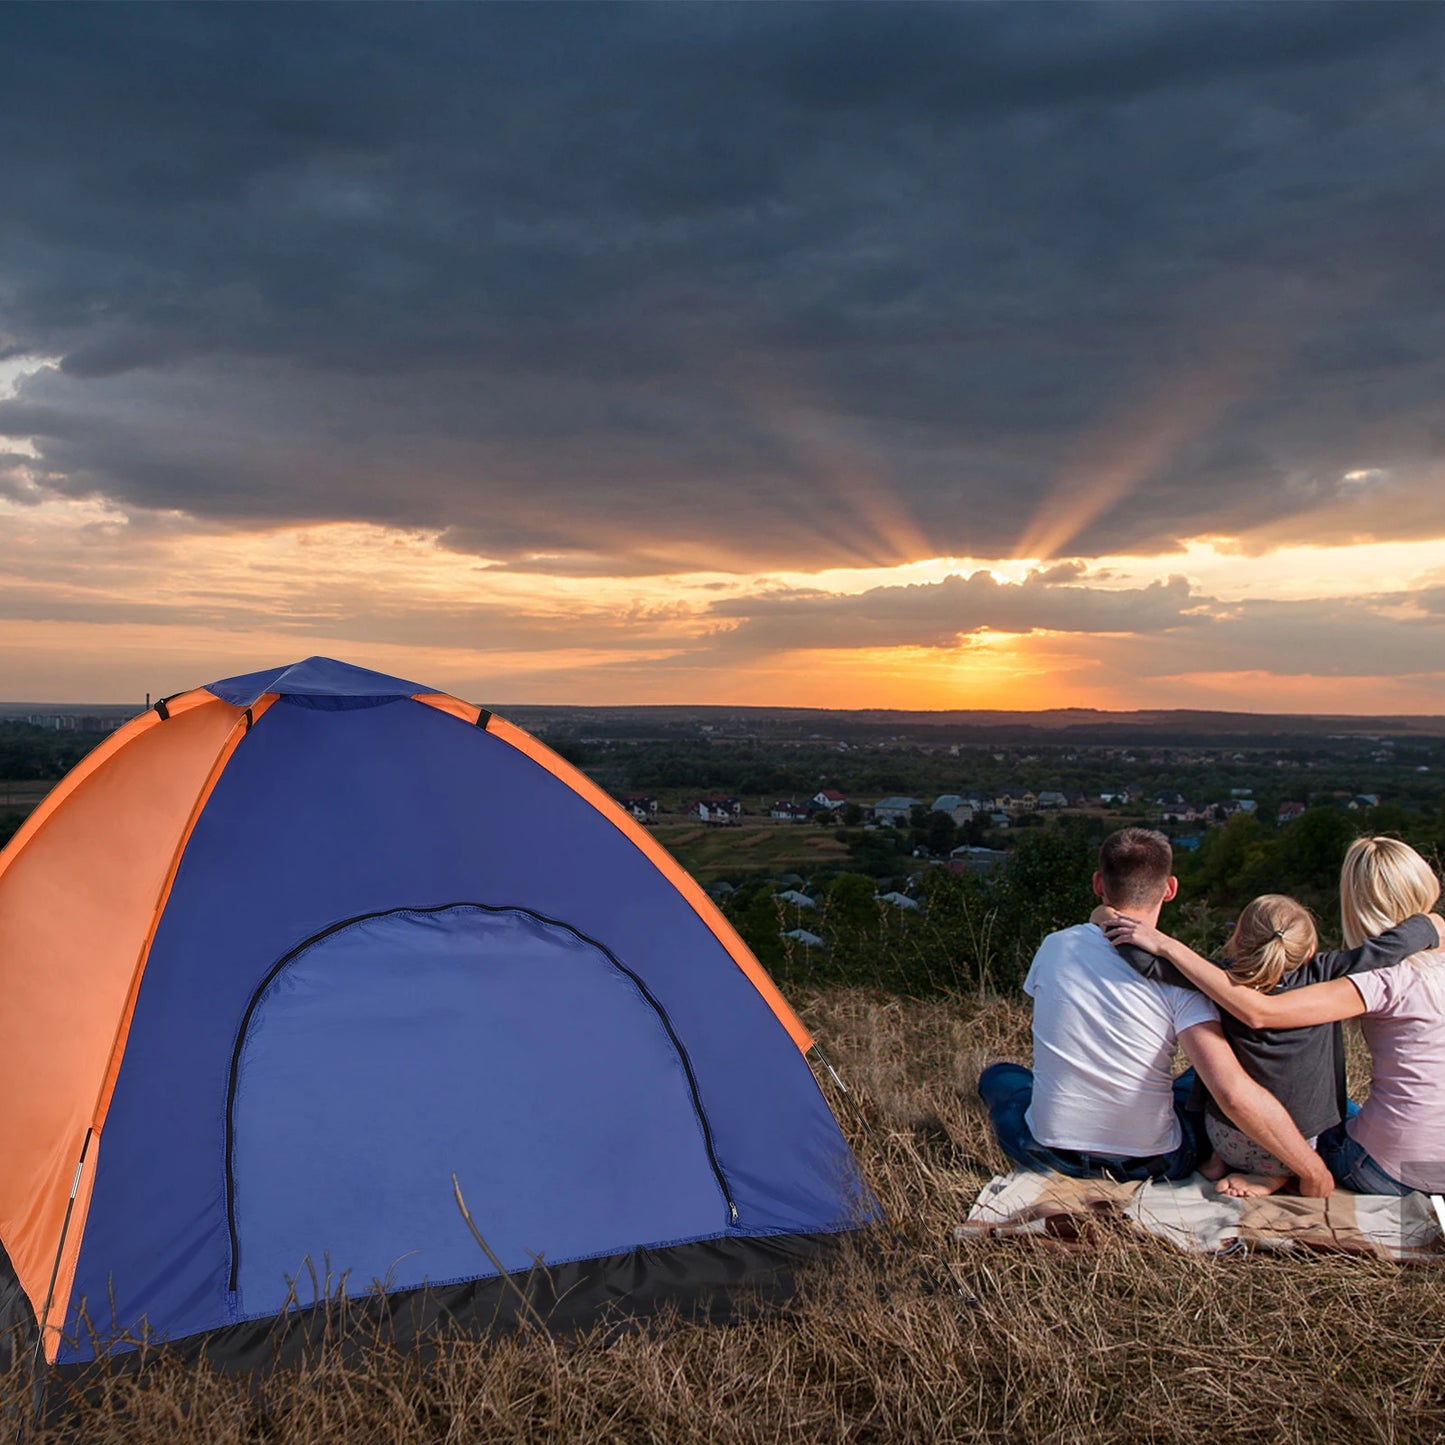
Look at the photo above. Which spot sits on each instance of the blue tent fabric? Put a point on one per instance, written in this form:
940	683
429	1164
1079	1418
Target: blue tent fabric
496	967
316	677
556	1104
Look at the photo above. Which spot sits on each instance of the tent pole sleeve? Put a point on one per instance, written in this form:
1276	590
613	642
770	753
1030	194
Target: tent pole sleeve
60	1247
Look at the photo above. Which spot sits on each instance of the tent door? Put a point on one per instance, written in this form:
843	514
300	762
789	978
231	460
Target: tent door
391	1051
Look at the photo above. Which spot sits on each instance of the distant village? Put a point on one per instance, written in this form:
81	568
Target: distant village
906	783
968	805
997	810
1000	807
73	722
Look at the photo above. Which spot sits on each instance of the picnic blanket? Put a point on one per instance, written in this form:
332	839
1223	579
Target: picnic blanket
1191	1215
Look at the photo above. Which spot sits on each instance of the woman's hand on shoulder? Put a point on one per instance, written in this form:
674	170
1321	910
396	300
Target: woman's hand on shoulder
1119	928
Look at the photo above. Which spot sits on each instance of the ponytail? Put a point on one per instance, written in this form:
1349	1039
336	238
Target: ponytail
1274	935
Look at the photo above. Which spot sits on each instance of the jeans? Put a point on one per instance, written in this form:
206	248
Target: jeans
1008	1089
1353	1167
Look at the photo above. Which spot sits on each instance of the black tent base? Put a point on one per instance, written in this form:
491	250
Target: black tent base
715	1281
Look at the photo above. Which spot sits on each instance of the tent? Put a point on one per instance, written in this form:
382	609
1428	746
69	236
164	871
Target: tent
287	952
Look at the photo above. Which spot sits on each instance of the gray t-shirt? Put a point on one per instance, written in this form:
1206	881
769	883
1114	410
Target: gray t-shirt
1303	1068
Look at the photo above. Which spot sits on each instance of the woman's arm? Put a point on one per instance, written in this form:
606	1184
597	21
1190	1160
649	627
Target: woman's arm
1320	1003
1157	970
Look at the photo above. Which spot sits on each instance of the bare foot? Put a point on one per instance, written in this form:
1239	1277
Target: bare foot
1251	1186
1214	1167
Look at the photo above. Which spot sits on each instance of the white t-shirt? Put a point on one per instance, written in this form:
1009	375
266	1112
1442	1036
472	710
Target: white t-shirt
1104	1048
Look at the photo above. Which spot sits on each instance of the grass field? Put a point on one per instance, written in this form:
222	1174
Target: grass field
22	796
761	846
927	1340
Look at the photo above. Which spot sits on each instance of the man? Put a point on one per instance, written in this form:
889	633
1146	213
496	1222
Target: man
1101	1099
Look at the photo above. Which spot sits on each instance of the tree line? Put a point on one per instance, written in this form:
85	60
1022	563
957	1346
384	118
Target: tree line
969	934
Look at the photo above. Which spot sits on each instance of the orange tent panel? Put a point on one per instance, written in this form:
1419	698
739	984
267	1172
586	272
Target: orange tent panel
77	906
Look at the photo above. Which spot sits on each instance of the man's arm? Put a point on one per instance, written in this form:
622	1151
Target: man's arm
1417	934
1320	1003
1253	1109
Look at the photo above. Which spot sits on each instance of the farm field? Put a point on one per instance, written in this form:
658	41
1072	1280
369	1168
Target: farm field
764	846
17	801
22	796
925	1339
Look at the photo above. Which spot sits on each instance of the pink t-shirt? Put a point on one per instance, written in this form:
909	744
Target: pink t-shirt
1402	1123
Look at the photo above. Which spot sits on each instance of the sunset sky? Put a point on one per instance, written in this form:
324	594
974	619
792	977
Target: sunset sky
840	355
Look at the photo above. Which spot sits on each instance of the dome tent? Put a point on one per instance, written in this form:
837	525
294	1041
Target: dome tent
286	952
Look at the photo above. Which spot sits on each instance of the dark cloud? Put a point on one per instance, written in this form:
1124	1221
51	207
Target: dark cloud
785	284
1330	637
939	614
1338	638
1129	635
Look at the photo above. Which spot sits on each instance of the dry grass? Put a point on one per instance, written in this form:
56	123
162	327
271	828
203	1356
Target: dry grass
931	1340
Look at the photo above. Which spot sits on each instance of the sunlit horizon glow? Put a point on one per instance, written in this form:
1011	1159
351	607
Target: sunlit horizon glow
107	602
106	605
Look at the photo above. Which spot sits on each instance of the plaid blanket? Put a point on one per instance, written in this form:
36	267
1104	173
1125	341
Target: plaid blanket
1191	1215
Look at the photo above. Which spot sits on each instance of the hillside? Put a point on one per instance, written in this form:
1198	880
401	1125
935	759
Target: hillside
1122	1341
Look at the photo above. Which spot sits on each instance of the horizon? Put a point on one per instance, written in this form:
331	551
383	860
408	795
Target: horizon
78	705
988	357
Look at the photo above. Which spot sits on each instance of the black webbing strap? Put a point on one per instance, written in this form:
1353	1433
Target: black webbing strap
483	718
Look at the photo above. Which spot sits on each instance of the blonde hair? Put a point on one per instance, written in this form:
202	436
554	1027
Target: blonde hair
1383	881
1274	935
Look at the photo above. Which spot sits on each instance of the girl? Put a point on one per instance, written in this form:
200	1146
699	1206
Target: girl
1272	965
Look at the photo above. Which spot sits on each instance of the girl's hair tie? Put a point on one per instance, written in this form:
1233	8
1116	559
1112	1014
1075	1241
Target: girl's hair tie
1279	933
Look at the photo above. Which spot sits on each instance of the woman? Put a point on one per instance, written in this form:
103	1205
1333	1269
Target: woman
1397	1141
